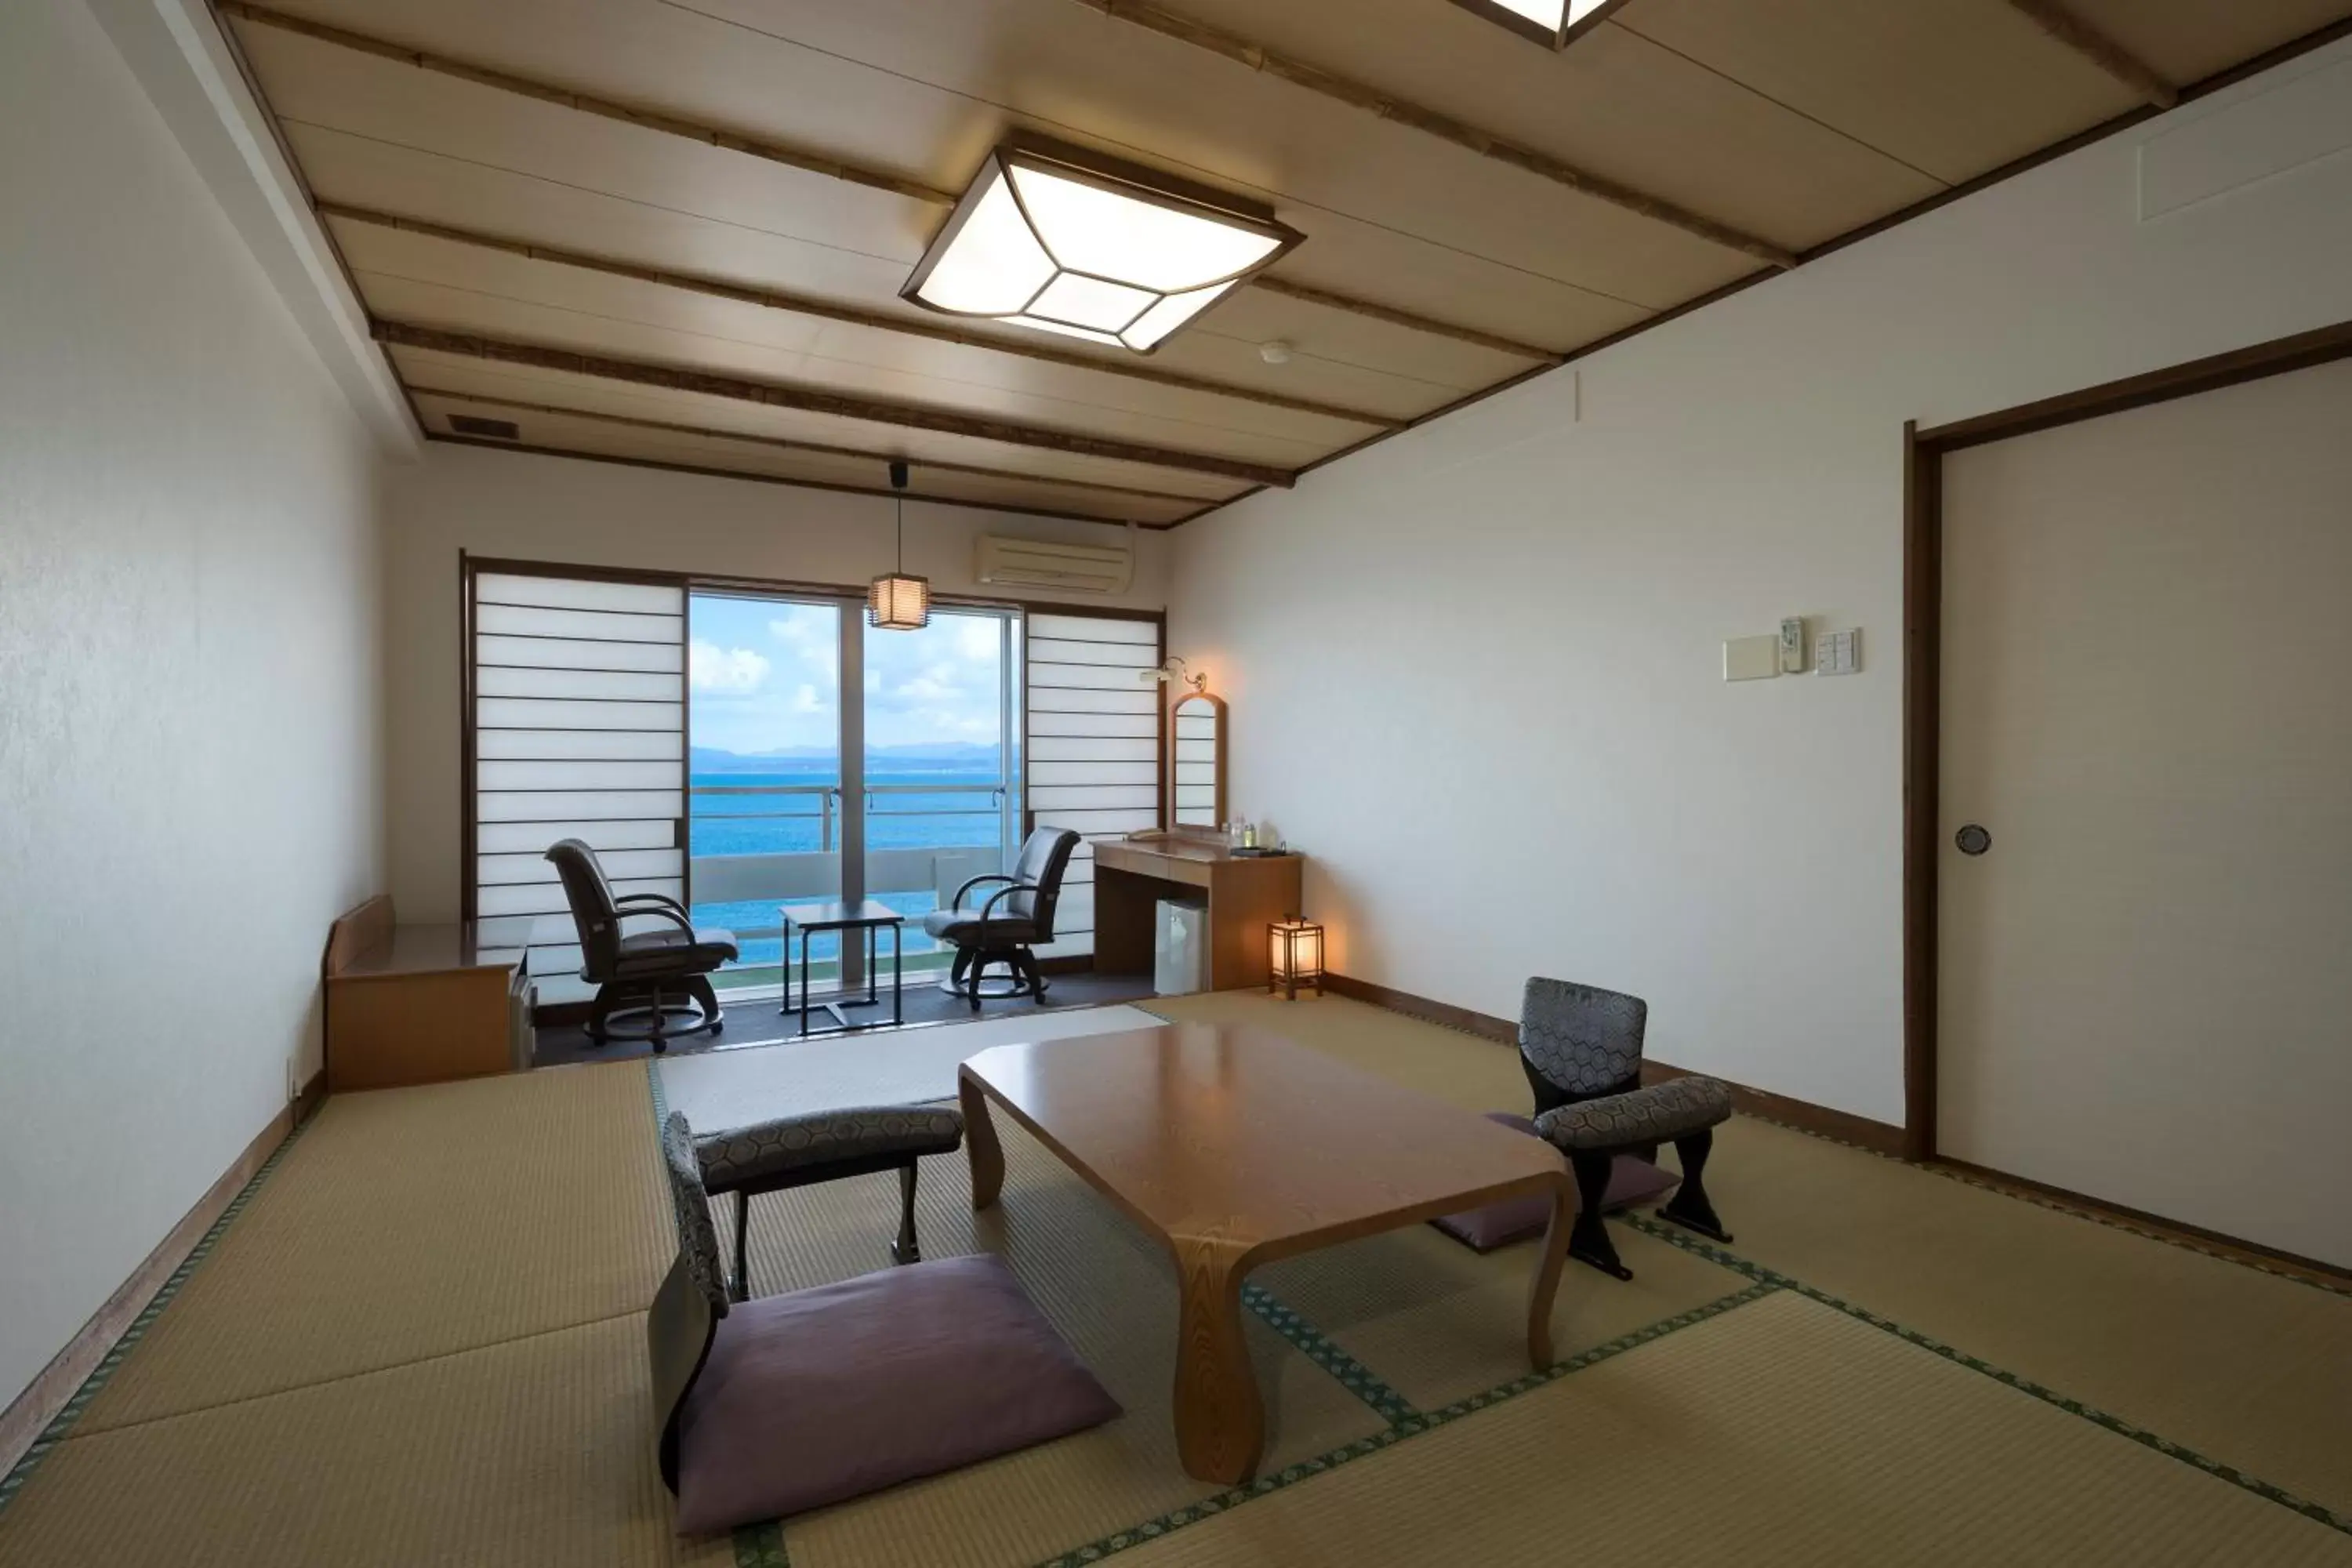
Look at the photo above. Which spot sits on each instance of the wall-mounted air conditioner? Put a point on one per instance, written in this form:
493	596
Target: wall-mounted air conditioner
1064	568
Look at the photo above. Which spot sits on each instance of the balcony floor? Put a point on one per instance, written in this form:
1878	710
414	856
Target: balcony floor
755	1023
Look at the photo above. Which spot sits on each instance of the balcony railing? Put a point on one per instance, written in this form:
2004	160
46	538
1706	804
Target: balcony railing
901	867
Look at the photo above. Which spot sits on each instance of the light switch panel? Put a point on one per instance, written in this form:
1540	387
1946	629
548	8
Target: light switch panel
1838	653
1751	658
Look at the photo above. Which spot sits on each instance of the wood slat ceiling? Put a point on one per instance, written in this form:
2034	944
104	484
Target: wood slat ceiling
672	231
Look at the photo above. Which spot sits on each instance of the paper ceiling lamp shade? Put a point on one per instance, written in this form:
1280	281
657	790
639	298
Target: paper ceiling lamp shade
899	603
1069	241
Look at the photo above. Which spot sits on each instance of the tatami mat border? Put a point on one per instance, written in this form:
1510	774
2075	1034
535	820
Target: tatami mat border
1675	1236
1410	1427
1317	1347
61	1424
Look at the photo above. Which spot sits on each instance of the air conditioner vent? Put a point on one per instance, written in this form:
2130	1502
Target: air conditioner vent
474	424
1064	568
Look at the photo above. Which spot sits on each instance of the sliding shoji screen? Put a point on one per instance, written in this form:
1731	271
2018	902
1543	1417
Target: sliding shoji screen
1092	758
579	732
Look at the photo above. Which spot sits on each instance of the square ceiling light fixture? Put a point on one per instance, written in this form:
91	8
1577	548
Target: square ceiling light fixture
1066	241
1555	24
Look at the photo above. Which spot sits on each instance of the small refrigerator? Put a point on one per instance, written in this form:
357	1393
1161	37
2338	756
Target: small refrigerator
1180	938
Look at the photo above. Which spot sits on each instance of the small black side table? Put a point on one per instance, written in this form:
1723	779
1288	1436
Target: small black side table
869	917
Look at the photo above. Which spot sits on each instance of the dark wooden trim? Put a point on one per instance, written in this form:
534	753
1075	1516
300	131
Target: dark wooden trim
813	448
469	765
1923	613
1409	320
813	400
1876	1136
2299	351
703	471
588	103
935	331
2235	1248
1445	1015
2062	25
1535	32
2319	38
29	1413
1373	101
1923	600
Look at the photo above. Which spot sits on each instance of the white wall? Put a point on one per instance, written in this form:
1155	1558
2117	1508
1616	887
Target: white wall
523	507
1475	670
189	718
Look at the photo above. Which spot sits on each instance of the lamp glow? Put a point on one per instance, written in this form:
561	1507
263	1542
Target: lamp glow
1293	956
1067	241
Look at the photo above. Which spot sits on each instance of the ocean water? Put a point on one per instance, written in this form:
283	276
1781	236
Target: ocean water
942	807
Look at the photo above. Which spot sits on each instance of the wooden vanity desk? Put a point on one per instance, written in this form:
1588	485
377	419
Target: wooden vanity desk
1244	895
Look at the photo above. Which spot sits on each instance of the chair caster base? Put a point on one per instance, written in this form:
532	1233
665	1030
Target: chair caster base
902	1256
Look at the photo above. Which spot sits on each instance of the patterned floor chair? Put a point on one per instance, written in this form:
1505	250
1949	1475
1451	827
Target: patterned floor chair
1582	1047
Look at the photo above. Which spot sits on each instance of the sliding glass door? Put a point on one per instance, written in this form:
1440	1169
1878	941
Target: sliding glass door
831	761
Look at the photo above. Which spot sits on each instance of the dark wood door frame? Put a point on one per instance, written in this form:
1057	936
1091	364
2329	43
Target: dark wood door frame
1922	633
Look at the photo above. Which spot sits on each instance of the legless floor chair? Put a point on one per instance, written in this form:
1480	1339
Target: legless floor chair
772	1406
1582	1047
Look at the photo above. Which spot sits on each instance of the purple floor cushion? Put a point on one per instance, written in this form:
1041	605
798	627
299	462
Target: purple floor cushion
1631	1181
829	1393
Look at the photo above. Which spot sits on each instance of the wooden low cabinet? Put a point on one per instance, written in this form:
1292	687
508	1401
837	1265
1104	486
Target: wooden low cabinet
410	1004
1245	894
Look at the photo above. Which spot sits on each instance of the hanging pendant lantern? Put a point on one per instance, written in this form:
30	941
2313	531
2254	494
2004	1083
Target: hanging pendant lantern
897	602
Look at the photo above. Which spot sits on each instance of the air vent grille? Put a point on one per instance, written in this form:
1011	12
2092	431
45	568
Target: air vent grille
474	424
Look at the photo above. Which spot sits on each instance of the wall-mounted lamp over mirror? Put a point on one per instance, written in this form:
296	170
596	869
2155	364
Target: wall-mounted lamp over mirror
1172	671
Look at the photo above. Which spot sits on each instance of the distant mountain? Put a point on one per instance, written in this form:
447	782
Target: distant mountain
711	760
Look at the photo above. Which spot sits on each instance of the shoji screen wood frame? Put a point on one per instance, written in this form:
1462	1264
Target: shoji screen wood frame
1156	648
469	566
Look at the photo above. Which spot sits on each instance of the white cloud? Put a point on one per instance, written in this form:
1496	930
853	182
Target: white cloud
806	700
712	668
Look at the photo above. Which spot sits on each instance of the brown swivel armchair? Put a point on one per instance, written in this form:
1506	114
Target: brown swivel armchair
1009	923
657	980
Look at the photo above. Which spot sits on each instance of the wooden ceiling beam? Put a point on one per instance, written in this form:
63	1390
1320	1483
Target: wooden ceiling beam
808	400
804	305
784	444
2095	45
1269	283
773	151
588	103
1430	121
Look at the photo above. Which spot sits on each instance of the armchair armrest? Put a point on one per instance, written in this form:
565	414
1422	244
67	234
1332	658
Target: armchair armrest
663	898
748	1154
668	910
957	902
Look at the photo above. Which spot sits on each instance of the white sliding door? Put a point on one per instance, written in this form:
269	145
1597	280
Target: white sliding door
1092	759
2143	992
578	731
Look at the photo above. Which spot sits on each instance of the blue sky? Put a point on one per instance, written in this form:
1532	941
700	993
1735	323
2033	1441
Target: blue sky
765	673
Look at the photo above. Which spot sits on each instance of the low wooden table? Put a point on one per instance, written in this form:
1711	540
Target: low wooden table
1235	1147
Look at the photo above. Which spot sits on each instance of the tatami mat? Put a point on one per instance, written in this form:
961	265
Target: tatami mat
1444	1064
530	1452
412	1223
1437	1322
1779	1433
1111	1291
421	1341
738	1086
2248	1368
2251	1369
